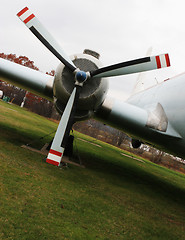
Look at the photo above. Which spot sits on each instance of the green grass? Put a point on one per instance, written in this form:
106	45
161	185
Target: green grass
114	197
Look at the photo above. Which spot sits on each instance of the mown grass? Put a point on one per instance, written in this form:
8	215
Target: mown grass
114	197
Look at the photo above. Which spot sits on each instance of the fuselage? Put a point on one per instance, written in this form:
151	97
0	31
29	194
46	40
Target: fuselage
155	116
170	94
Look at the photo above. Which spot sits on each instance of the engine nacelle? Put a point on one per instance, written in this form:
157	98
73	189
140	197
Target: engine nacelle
93	92
136	143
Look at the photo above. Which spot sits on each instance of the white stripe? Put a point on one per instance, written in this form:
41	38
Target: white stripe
163	60
25	15
54	157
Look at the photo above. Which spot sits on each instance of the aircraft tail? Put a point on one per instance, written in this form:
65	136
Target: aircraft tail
141	80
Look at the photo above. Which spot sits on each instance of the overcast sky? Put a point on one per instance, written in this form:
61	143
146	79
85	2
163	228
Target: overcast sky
119	30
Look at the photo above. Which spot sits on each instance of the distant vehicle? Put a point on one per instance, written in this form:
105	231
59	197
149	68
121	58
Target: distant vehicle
79	89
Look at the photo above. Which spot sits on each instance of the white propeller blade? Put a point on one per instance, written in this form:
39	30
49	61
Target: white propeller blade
44	36
57	148
134	66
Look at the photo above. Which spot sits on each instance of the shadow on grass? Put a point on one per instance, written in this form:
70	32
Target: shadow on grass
108	163
144	180
19	136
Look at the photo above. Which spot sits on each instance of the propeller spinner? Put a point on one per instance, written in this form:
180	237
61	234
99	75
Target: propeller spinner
67	119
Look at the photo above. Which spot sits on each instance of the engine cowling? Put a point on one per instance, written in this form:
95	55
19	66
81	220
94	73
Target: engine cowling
93	92
136	143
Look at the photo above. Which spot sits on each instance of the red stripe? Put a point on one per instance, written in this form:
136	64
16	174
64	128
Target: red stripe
167	60
55	152
52	162
29	18
158	61
22	11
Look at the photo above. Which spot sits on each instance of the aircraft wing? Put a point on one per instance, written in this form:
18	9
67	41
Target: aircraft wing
27	78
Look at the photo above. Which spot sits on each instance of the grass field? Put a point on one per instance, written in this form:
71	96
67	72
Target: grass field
114	197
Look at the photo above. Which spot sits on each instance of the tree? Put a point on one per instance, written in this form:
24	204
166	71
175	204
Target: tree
52	73
22	60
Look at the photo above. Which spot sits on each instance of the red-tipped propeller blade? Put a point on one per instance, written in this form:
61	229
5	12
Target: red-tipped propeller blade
134	66
44	36
59	142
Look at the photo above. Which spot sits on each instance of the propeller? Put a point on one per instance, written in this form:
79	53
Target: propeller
66	122
67	119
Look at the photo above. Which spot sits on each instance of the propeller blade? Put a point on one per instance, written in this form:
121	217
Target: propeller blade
59	142
44	36
134	66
